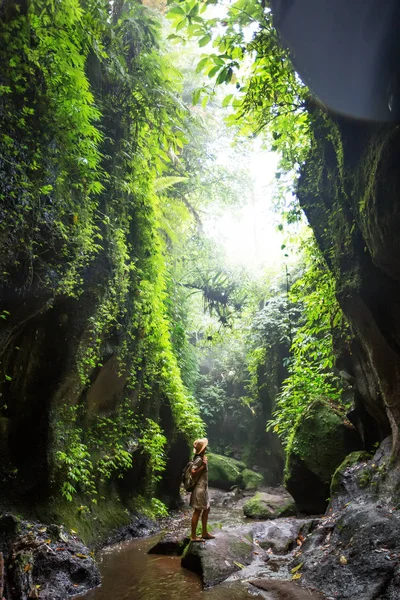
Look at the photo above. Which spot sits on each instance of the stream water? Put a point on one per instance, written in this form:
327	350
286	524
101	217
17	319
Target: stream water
130	573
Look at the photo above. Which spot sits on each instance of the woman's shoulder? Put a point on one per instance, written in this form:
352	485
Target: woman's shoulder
197	461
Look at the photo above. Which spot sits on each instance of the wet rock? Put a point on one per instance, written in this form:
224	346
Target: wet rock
171	544
140	526
216	559
320	443
347	481
280	536
269	506
285	590
220	498
9	529
355	553
65	572
45	562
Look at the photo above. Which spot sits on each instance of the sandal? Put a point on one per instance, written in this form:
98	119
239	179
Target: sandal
208	536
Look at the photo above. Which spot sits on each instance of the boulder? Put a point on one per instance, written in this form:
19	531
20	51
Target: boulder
139	526
251	479
320	442
224	472
171	544
269	506
354	553
215	560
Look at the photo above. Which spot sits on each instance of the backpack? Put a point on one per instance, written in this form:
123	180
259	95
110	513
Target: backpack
189	482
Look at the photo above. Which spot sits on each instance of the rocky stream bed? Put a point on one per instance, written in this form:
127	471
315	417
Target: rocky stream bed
352	552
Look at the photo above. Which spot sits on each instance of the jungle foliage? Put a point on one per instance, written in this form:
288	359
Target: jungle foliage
319	321
106	175
92	123
242	48
299	322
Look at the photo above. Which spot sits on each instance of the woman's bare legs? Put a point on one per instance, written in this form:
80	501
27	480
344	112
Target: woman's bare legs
204	520
195	520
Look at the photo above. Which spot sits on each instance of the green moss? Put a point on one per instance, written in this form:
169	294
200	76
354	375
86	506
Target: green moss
94	524
256	509
364	478
251	479
224	472
349	461
318	440
264	506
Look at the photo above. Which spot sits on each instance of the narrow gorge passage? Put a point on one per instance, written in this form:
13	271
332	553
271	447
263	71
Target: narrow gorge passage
199	239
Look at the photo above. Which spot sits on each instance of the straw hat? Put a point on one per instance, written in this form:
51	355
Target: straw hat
200	444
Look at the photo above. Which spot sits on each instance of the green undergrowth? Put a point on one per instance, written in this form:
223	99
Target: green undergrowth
311	366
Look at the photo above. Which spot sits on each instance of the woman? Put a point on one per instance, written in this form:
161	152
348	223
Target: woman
199	499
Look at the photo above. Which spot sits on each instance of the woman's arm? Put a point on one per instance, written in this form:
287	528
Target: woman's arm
203	466
199	470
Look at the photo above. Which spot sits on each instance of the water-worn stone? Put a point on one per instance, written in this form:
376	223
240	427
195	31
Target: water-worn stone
172	544
281	535
321	441
216	559
354	553
269	506
140	526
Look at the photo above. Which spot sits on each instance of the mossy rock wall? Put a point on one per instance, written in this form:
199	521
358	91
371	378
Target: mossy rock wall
321	440
349	190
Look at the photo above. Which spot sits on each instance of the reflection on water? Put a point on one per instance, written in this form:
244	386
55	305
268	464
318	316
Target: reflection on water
129	573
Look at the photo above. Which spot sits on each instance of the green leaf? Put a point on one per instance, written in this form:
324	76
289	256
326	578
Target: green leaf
213	71
201	64
175	11
227	100
206	39
196	96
